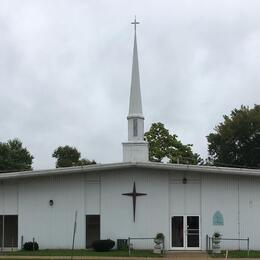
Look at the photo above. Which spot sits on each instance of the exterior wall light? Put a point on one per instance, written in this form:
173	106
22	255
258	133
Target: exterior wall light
184	180
51	202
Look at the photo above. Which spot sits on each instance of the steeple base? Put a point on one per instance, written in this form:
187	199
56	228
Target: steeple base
135	152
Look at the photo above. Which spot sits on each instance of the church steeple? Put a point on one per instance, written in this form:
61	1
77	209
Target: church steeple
136	149
135	105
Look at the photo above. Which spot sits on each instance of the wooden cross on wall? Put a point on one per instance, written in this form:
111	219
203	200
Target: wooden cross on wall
134	195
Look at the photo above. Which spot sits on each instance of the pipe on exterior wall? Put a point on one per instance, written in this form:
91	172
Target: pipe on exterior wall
238	209
3	219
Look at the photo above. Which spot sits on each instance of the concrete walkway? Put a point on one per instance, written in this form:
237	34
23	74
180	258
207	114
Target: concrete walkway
187	255
169	255
197	256
83	257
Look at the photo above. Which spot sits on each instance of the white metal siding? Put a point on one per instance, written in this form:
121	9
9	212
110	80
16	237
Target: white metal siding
52	226
8	198
249	204
151	210
237	198
185	198
92	195
220	193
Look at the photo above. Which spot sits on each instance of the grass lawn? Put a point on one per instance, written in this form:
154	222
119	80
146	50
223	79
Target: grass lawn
238	254
82	252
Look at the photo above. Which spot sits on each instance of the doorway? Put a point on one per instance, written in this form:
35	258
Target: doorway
185	232
92	229
9	231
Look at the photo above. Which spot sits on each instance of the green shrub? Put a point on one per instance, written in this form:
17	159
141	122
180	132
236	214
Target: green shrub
160	236
103	245
30	246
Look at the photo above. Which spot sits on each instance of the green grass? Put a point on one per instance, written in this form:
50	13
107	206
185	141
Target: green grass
238	254
82	252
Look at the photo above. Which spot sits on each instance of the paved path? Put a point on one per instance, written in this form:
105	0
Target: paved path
170	255
187	255
198	256
81	257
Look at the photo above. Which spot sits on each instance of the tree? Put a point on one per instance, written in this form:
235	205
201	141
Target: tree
14	157
68	156
84	161
236	141
162	145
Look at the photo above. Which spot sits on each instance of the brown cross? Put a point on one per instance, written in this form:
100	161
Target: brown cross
134	195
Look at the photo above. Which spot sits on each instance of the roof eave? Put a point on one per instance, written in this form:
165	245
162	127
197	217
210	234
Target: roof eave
117	166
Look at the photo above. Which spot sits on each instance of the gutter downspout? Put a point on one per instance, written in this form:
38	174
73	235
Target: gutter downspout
238	210
3	217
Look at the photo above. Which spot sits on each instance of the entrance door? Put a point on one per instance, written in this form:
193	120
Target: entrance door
193	232
9	231
177	232
92	229
185	232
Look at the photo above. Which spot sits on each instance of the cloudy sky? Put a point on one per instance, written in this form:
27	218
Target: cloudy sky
65	69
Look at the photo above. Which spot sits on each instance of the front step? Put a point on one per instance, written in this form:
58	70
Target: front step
186	255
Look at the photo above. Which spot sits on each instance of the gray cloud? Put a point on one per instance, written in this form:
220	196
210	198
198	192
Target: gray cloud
65	70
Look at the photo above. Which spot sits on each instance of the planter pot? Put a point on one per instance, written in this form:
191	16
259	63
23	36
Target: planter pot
157	241
216	246
157	249
216	250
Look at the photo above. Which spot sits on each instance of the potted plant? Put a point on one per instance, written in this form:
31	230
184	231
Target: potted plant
158	240
216	238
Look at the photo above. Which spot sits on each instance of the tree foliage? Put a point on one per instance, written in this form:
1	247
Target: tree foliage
14	157
84	161
236	141
68	156
162	145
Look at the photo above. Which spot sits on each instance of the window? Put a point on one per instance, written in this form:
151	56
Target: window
135	127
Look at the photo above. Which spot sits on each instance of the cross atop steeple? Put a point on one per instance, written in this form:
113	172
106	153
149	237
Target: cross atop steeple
135	23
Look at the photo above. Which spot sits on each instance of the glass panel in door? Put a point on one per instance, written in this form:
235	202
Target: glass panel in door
193	237
177	231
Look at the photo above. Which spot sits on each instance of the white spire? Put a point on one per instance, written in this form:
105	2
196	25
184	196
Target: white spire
135	104
136	149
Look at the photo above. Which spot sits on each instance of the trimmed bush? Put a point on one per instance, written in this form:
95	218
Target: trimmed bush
103	245
28	246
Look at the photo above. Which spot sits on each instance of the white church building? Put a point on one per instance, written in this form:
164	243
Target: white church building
134	198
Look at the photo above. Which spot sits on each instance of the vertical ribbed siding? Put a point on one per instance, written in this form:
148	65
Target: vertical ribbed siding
185	198
249	210
92	194
52	226
220	193
151	210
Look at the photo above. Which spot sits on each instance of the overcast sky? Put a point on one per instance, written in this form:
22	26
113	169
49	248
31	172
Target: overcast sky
65	70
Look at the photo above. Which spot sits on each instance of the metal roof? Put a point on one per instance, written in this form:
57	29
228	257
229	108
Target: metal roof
125	165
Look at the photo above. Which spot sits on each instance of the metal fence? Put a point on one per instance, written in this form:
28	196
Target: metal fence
210	242
130	245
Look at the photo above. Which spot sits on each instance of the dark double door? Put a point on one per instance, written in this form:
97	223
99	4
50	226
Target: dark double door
185	232
9	230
